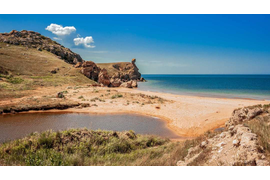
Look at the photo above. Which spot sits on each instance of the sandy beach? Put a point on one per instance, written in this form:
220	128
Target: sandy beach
187	116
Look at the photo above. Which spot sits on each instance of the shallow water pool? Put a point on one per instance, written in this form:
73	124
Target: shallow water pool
20	125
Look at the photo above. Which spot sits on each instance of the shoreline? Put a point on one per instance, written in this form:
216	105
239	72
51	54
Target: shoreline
192	131
207	95
187	116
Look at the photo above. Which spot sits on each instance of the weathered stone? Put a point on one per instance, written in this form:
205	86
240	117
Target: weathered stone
243	114
134	83
127	84
204	144
90	70
79	64
115	82
104	78
236	142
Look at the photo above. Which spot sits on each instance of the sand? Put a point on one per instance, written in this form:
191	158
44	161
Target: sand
188	116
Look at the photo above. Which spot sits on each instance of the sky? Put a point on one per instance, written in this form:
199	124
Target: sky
162	44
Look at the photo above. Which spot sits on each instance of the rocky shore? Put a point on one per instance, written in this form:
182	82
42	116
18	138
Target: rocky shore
237	145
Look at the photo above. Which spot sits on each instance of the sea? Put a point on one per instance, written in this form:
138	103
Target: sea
224	86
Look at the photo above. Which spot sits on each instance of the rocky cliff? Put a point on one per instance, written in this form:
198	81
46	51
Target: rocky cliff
33	39
124	74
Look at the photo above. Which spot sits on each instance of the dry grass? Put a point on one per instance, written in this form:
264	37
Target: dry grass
261	126
31	69
86	147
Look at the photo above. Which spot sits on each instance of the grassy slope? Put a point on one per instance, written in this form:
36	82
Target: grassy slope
31	69
109	66
86	147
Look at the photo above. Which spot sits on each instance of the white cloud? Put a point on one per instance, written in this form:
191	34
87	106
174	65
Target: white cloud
84	41
60	30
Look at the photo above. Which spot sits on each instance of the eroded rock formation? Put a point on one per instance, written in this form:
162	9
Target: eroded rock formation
126	75
89	69
103	77
236	146
244	114
127	71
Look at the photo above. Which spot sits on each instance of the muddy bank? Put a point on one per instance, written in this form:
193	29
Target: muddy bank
24	108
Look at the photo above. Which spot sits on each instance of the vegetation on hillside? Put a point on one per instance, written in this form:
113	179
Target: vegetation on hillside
24	69
87	147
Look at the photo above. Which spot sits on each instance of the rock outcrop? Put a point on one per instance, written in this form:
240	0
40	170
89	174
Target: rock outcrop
236	146
115	82
33	39
125	74
126	71
129	84
104	78
89	69
244	114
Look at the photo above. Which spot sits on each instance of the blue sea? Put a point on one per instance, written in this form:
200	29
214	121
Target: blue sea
228	86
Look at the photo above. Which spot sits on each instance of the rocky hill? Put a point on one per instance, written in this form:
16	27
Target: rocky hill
33	39
123	74
24	69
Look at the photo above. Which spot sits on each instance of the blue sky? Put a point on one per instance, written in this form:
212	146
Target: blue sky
163	44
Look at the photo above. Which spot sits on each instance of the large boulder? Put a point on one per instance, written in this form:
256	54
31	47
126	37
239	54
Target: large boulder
115	82
134	83
129	84
104	78
90	70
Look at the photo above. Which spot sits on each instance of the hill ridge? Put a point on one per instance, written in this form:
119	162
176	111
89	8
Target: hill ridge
33	39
